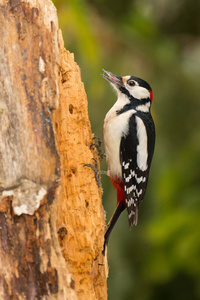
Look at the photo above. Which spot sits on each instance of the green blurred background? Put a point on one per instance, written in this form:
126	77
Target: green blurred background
158	41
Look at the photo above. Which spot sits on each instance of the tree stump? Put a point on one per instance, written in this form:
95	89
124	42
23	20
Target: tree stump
51	216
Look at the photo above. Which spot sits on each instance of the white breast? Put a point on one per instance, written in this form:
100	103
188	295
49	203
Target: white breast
115	126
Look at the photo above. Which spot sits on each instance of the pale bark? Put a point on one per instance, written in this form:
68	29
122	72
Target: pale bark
45	138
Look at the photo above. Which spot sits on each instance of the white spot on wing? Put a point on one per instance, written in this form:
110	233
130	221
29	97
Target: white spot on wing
130	202
126	166
142	153
139	179
127	179
131	175
139	193
130	189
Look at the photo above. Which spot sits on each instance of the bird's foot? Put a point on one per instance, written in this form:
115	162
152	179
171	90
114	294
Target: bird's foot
96	171
98	143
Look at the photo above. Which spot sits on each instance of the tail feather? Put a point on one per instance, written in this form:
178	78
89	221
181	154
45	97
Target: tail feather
132	206
119	209
133	214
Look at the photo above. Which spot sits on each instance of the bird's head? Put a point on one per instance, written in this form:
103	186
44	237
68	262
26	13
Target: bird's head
135	89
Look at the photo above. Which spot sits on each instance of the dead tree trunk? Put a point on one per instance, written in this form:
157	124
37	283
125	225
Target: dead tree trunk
45	136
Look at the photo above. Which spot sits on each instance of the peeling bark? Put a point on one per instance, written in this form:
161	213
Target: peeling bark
28	154
31	262
45	138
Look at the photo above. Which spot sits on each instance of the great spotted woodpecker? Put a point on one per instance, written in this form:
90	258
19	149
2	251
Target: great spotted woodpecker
129	138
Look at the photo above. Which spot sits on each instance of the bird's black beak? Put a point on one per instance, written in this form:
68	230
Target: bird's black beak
116	80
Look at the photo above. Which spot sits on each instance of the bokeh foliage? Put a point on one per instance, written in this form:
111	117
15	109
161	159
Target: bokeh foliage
158	41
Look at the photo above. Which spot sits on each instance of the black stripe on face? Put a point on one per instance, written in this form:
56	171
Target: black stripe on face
141	82
124	91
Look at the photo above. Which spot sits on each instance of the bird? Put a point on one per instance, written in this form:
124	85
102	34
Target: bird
129	142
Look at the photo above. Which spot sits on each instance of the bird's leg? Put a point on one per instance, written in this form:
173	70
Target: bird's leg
98	143
119	209
96	171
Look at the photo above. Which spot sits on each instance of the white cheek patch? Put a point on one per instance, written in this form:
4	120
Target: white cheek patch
138	92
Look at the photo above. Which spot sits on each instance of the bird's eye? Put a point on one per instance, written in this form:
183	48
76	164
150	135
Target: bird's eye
131	83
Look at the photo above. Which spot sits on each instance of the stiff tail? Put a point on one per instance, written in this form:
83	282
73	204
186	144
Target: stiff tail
132	206
133	214
121	205
119	209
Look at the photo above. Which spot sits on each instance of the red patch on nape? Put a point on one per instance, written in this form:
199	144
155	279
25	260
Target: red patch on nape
118	185
151	95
